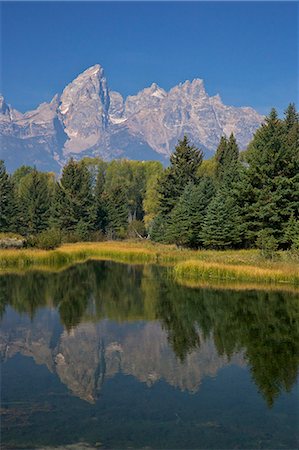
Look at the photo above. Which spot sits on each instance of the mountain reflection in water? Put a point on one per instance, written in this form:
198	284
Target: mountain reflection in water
99	319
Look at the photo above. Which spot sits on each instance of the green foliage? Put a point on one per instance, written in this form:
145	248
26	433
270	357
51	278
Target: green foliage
82	231
73	198
184	165
267	244
220	203
150	203
178	229
187	217
46	240
227	161
20	173
158	228
34	201
130	175
291	234
7	201
208	168
270	190
220	156
117	213
221	227
136	229
99	197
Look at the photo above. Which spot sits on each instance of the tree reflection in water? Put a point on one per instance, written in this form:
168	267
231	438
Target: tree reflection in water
262	324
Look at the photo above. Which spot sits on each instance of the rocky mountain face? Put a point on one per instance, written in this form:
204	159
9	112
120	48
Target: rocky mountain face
88	119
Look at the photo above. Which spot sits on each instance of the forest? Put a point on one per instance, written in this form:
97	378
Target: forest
234	200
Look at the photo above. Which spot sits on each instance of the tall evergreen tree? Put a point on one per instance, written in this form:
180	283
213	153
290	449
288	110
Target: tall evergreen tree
271	184
7	201
184	164
34	202
227	160
187	217
74	201
117	212
291	117
220	156
100	199
221	228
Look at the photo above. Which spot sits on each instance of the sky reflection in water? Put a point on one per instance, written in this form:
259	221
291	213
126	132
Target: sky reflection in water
122	356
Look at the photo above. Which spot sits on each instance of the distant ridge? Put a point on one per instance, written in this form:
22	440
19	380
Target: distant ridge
88	119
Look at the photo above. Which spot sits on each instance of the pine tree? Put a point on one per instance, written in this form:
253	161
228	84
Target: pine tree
178	226
291	172
291	233
60	210
221	227
220	156
187	217
184	164
34	202
158	228
227	157
291	117
7	201
100	199
74	202
270	188
117	212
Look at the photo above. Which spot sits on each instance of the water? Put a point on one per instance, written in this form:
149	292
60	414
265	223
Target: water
116	356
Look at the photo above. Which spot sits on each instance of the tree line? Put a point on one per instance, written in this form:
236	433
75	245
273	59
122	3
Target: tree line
91	200
234	200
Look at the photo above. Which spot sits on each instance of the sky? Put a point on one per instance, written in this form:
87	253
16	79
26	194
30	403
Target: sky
245	51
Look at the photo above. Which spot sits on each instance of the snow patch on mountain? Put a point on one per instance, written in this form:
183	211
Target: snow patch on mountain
88	119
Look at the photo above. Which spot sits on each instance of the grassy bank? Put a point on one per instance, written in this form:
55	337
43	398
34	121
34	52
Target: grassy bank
209	270
230	265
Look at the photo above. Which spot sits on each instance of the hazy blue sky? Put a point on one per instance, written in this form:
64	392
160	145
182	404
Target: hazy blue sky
248	52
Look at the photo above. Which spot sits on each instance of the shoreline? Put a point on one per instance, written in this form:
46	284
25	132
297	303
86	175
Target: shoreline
190	266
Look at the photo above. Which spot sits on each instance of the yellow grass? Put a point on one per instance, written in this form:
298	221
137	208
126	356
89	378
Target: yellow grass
237	285
196	270
229	265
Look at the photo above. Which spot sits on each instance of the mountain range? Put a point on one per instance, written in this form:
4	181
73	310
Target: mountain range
88	119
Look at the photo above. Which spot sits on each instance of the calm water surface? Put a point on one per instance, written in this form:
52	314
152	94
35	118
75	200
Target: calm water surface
114	356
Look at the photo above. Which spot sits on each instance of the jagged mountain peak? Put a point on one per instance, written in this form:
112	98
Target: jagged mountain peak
216	99
93	71
151	90
156	91
4	108
88	119
83	109
88	85
192	89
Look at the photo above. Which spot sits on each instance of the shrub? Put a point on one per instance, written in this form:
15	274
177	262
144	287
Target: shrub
47	240
82	231
294	250
69	237
119	234
291	235
136	228
267	244
97	236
